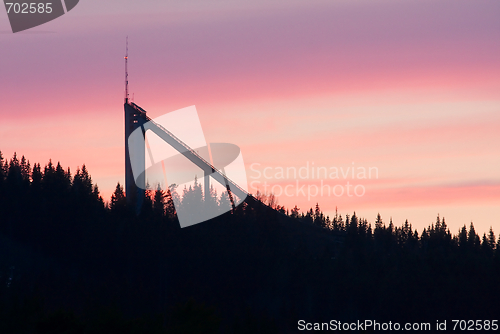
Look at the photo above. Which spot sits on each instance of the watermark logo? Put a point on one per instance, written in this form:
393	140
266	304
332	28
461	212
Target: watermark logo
172	150
310	181
28	14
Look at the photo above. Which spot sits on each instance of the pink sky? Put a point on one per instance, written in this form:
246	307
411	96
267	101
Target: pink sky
411	88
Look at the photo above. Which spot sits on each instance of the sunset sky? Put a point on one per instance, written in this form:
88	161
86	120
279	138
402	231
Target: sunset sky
409	87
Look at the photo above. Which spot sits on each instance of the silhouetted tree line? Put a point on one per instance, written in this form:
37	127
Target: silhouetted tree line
72	263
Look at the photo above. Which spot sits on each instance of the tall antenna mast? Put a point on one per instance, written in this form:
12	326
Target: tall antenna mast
126	74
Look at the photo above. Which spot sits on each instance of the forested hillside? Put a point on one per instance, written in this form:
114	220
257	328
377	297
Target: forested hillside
71	262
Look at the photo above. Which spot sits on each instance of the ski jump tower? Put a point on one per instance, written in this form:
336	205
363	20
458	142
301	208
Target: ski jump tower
136	118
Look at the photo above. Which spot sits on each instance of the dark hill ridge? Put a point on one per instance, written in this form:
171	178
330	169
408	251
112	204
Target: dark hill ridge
69	260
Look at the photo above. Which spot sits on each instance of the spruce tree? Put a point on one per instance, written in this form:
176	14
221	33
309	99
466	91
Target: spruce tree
118	200
159	202
491	238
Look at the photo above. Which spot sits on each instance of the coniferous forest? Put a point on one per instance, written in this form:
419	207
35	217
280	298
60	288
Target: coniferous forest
71	262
